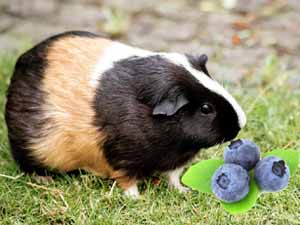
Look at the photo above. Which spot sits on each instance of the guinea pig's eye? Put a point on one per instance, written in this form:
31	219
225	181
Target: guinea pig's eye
206	108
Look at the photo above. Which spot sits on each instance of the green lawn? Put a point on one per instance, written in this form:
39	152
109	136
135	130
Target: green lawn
273	111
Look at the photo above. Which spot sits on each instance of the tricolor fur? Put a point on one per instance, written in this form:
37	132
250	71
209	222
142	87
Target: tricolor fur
79	101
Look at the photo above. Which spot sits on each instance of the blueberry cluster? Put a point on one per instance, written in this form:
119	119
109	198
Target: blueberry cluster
231	181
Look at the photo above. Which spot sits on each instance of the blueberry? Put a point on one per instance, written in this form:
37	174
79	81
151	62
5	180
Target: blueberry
272	174
230	183
242	152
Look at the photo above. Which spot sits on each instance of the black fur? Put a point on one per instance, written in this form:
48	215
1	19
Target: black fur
141	143
23	109
24	114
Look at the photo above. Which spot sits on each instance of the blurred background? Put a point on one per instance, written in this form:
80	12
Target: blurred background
239	36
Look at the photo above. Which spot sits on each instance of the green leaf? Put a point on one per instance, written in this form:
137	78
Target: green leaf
291	157
246	203
198	176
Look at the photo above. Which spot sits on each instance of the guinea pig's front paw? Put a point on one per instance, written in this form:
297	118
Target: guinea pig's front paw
132	192
174	180
43	179
180	188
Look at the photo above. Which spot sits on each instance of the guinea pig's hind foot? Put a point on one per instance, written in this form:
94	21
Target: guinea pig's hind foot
132	192
174	180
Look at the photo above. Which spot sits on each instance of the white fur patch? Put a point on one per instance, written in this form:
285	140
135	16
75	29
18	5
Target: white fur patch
118	51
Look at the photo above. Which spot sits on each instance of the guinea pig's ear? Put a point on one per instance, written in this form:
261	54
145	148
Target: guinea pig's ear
199	61
170	105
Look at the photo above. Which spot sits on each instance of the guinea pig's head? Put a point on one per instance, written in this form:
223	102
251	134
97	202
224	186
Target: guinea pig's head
206	114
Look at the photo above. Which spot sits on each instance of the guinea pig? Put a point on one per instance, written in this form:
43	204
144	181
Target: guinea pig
80	101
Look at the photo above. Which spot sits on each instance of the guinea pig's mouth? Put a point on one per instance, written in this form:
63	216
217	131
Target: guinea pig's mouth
217	142
230	135
211	143
223	139
213	139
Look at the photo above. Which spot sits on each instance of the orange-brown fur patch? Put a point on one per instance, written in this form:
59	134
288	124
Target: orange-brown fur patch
70	140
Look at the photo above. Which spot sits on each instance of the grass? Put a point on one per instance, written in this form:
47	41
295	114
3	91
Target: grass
273	122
